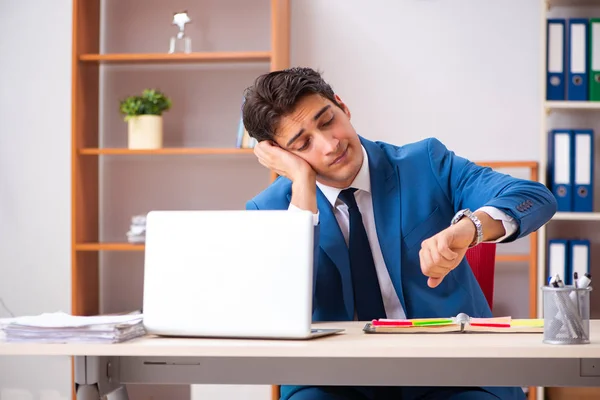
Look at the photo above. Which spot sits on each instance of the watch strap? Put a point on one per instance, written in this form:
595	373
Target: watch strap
478	226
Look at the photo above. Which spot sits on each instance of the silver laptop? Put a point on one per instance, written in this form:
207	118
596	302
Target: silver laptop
239	274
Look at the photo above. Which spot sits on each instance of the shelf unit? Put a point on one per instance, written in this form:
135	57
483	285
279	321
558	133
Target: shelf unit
532	256
151	58
164	151
86	62
564	114
87	145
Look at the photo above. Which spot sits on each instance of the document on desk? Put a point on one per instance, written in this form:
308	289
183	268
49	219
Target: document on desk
60	327
462	323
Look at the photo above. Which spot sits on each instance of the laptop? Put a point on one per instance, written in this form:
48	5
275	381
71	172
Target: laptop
230	274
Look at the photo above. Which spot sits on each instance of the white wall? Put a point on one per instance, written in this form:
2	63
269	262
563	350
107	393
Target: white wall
407	70
465	71
35	123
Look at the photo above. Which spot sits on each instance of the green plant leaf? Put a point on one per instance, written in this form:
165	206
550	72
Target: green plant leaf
150	102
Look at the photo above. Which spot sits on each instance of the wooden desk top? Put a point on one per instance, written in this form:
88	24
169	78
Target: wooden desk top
351	343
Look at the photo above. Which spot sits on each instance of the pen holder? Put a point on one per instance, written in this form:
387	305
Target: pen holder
566	315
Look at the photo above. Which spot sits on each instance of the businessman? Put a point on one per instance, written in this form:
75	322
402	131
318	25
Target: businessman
392	223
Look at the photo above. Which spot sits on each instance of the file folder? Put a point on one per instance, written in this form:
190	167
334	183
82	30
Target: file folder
594	59
558	258
560	154
580	259
555	59
583	170
577	63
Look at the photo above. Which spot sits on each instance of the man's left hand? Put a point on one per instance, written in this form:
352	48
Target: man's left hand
441	253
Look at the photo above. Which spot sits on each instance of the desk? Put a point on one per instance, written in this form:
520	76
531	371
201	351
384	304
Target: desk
350	358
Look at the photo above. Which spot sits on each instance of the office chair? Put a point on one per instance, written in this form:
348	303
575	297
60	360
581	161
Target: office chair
482	259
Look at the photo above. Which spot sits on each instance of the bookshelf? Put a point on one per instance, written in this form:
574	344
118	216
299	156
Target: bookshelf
118	49
87	61
567	114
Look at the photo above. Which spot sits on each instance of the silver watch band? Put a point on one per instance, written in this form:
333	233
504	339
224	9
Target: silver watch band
478	227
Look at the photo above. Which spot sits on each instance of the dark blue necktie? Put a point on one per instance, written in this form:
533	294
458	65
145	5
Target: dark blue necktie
367	293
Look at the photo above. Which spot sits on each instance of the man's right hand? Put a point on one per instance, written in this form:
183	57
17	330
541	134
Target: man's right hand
289	165
283	162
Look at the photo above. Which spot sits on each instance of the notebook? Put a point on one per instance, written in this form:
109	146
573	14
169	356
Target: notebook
462	323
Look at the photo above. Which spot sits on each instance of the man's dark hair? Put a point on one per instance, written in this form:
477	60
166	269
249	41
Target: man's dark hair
275	94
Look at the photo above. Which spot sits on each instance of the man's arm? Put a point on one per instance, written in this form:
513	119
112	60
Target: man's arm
494	229
495	198
467	185
304	193
508	222
304	189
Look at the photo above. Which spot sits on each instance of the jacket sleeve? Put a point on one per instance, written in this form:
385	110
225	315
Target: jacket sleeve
251	205
468	185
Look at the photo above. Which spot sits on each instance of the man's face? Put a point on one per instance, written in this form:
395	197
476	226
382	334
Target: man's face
320	133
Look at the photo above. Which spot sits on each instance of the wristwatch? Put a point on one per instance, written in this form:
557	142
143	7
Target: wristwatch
478	227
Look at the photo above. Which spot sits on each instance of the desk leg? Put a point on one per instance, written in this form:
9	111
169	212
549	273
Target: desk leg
97	378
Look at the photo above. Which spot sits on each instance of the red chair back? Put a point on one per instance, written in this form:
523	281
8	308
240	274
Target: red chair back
482	259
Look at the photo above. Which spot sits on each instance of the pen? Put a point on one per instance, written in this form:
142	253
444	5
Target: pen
559	319
576	293
582	282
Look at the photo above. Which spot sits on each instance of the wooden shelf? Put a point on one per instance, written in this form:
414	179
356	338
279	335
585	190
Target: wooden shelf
576	216
141	247
572	3
508	164
572	105
152	58
165	151
513	257
109	247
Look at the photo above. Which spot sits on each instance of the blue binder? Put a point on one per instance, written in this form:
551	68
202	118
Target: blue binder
583	170
579	259
560	177
558	258
577	60
555	59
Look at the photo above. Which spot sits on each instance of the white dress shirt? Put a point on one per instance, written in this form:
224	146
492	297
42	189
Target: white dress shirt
362	182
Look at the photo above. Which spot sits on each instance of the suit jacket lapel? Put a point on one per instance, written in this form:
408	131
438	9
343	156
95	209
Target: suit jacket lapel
333	244
385	190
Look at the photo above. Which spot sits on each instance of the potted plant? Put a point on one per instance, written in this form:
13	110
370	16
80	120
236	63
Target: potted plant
143	115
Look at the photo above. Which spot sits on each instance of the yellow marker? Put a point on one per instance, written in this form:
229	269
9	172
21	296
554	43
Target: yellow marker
531	322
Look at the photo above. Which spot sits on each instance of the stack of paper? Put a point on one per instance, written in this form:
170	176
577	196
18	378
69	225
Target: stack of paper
60	327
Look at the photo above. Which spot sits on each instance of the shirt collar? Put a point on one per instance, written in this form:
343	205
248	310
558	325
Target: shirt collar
361	182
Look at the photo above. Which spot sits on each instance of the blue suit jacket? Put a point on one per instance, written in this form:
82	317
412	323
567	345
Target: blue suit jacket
416	190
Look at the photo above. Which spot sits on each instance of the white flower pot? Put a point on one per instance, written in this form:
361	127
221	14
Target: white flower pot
145	132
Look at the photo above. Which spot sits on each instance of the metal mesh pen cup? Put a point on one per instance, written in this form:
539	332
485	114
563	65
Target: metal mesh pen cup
566	315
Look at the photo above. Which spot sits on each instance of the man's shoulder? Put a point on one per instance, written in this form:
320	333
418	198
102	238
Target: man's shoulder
424	147
273	197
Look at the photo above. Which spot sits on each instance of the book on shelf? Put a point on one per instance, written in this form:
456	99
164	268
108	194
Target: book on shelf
462	323
244	141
